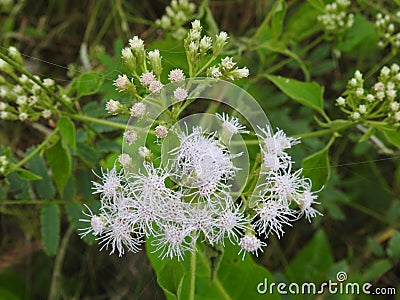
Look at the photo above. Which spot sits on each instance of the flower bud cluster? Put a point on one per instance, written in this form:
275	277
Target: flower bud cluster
176	15
21	98
4	164
336	18
380	102
388	32
189	198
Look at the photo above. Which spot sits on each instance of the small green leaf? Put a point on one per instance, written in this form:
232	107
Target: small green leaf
392	136
170	278
393	249
27	175
44	188
316	167
59	161
50	228
74	213
87	154
88	84
306	93
67	130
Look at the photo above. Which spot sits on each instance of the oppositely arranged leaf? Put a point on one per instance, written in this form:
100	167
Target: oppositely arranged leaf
60	163
50	228
27	175
316	167
312	262
307	93
67	130
88	84
170	278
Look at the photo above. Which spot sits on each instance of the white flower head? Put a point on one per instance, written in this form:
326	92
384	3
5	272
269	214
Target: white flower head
130	137
122	83
46	114
180	94
161	131
138	110
176	75
271	216
230	126
155	86
48	82
305	200
250	243
136	44
110	185
23	116
113	106
340	101
125	159
147	78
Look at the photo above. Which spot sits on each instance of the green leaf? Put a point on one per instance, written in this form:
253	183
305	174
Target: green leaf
88	84
74	213
376	270
318	4
87	154
392	136
316	167
44	188
313	261
214	255
67	130
50	228
59	161
170	278
279	11
306	93
205	12
393	249
27	175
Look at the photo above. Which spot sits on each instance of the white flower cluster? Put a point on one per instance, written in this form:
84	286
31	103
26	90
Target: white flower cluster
379	102
190	199
387	31
176	15
336	19
146	67
24	99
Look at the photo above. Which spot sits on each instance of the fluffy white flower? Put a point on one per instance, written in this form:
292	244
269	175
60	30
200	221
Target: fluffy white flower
180	94
230	126
138	110
130	137
155	86
250	243
176	75
147	78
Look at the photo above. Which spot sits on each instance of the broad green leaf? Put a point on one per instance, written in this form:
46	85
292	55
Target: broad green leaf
27	175
69	191
170	278
393	249
44	188
88	84
205	12
302	23
279	11
50	228
316	167
60	163
392	136
307	93
67	130
313	261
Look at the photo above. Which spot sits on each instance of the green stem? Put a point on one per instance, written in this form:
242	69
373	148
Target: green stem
19	68
56	277
192	286
36	150
323	131
98	121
